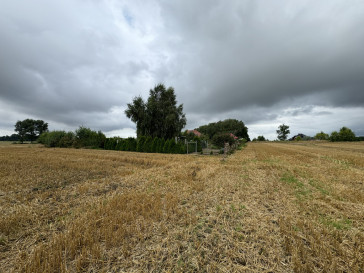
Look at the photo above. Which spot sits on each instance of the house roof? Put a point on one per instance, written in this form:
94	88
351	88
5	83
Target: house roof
195	132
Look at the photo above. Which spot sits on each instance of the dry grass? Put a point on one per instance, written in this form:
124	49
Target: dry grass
269	208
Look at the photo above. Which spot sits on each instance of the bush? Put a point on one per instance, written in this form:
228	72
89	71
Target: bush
322	136
85	137
57	139
166	146
160	145
147	147
220	139
140	144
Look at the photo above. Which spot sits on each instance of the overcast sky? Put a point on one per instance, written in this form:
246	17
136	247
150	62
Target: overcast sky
79	62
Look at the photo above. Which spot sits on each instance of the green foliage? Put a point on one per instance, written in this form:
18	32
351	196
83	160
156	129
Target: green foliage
67	140
159	116
261	138
154	146
13	137
132	144
61	139
283	131
85	137
145	145
345	134
147	148
221	138
30	129
322	136
140	144
166	146
160	146
111	143
233	126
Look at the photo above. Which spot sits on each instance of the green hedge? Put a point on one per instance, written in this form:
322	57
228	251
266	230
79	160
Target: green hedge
145	145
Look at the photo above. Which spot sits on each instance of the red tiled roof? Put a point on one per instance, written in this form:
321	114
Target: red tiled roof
195	132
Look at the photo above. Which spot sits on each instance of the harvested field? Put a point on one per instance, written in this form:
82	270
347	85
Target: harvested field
271	207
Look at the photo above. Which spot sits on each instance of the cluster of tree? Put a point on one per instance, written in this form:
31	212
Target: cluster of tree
260	138
30	129
82	137
345	134
159	116
13	137
233	126
146	145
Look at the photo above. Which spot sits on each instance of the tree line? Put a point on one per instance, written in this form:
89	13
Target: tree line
146	145
344	134
159	121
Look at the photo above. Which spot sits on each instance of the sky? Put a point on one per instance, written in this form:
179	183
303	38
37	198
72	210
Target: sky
79	62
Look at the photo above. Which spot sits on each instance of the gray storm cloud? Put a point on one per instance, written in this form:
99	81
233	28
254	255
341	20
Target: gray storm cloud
80	62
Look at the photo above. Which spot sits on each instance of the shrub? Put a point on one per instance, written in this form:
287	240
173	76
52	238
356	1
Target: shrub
154	146
147	147
220	139
53	139
160	145
166	146
140	144
321	136
85	137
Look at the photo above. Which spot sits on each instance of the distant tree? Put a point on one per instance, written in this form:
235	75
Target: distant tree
283	132
334	136
321	136
30	129
159	116
261	138
85	137
13	137
233	126
345	134
61	139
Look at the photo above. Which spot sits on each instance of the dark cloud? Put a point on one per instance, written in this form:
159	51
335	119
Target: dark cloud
250	53
80	62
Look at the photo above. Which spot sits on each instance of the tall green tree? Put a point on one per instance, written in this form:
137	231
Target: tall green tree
30	129
283	132
159	116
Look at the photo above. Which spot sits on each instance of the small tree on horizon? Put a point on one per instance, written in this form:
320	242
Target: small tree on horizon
283	132
30	129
